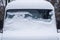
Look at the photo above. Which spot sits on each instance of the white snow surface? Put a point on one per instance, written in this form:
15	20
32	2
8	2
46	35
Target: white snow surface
29	4
28	35
31	0
59	36
18	22
1	36
19	28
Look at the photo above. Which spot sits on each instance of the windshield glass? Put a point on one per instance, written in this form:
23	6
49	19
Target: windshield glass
37	15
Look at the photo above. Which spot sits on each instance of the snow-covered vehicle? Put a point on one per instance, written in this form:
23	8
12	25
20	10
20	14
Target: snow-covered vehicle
29	20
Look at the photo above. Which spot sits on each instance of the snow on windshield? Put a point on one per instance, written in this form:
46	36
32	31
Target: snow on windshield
22	20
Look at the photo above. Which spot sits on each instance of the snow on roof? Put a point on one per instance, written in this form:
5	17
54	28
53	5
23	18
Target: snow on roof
30	0
29	4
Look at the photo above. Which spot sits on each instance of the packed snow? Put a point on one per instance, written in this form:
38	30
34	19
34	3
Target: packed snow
17	27
29	4
1	36
58	36
15	20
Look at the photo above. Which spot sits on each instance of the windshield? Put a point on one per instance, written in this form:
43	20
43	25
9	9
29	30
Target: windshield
38	15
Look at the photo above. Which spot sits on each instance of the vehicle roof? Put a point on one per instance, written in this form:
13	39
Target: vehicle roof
29	4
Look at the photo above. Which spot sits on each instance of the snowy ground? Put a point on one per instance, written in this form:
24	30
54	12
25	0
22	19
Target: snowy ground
0	36
59	36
